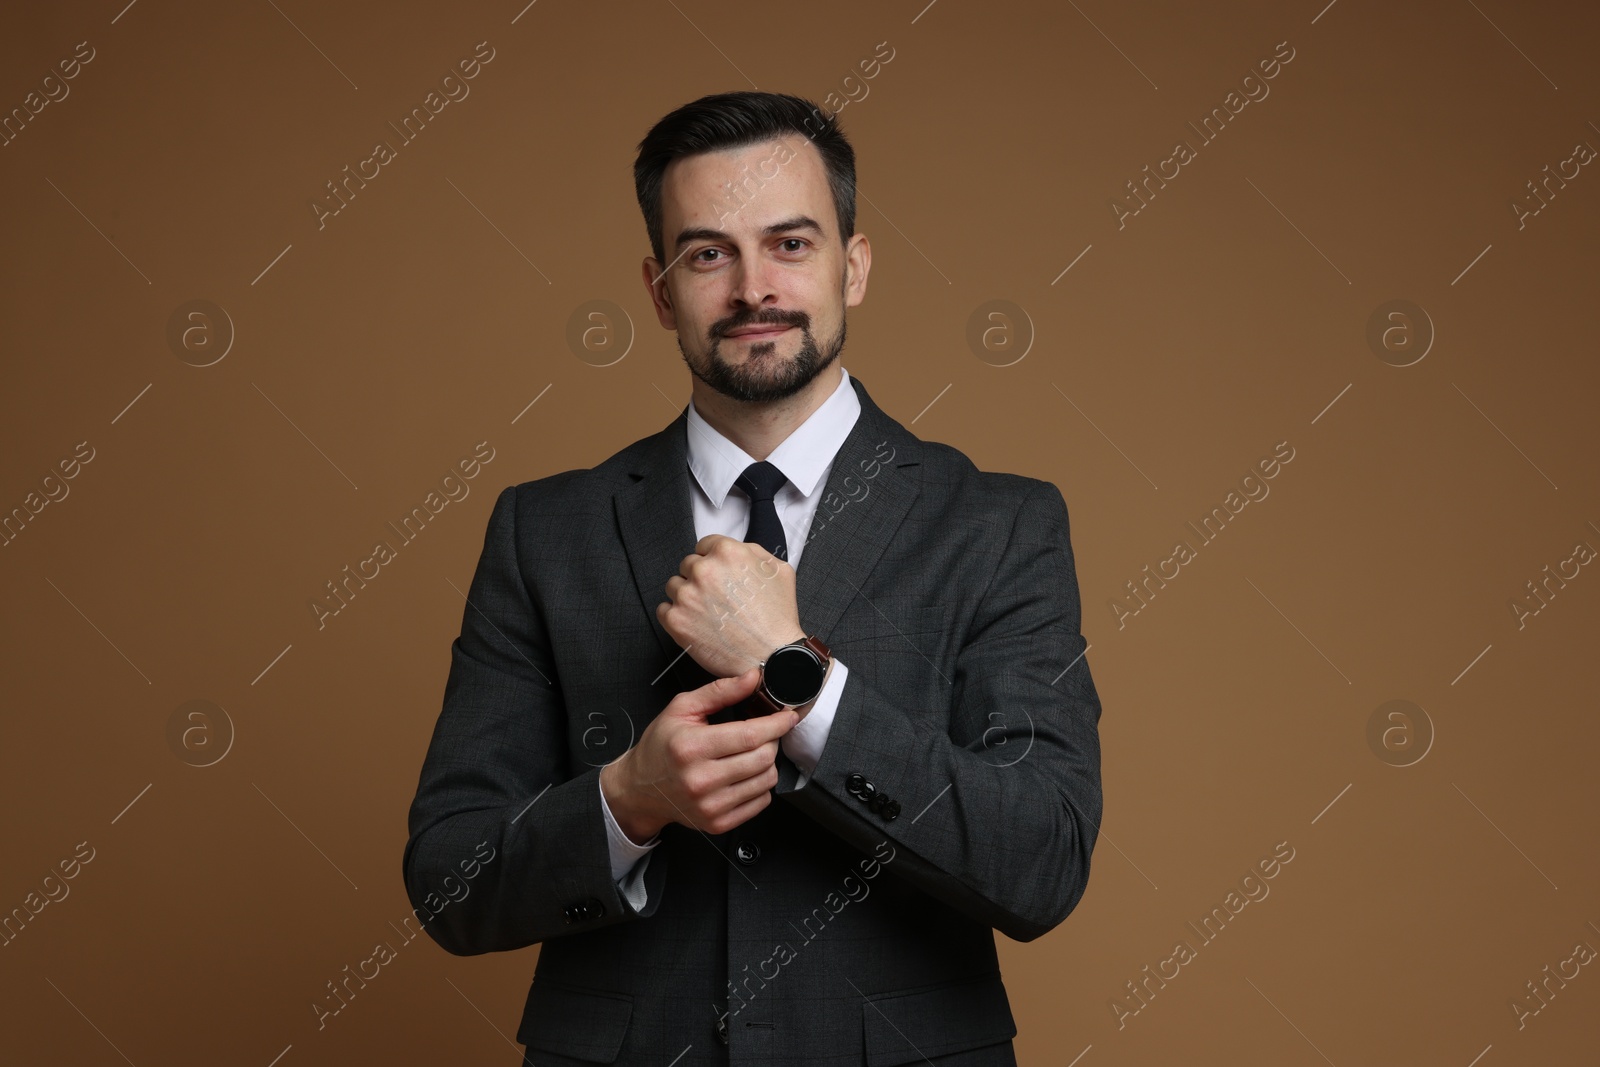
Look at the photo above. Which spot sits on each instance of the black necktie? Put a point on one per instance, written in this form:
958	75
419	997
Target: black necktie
761	482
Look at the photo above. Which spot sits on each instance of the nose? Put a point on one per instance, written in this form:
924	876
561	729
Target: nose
754	283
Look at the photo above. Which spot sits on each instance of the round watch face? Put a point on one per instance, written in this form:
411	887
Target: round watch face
793	675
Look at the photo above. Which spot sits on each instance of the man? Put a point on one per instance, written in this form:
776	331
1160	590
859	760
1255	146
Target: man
768	721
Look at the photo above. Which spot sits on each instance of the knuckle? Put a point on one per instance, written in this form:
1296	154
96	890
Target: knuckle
677	746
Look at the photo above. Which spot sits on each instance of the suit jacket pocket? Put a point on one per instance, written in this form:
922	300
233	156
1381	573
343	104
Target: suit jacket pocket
894	625
580	1023
905	1027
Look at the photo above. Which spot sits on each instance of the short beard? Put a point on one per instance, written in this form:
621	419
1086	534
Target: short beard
746	381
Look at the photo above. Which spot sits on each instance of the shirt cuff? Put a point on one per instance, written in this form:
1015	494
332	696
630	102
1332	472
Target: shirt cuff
804	743
628	860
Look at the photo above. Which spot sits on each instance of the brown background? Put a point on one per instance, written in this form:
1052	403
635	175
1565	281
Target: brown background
1227	316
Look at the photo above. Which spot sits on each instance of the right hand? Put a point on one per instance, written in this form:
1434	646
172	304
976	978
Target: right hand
712	777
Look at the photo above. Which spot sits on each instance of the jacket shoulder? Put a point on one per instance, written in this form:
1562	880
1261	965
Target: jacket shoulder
948	465
573	488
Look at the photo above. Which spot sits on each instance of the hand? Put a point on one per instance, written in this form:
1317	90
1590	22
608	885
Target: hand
685	770
731	604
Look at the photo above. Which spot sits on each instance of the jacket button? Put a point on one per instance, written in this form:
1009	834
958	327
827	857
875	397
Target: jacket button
747	852
891	810
722	1029
854	782
571	913
878	803
592	909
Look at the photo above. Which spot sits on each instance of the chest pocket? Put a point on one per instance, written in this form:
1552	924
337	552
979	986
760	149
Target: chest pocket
903	646
886	619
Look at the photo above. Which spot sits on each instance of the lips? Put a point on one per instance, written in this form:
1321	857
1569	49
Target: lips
759	331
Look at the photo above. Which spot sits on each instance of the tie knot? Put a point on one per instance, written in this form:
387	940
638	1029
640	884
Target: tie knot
760	481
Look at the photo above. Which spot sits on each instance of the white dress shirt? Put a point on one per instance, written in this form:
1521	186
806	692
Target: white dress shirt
805	457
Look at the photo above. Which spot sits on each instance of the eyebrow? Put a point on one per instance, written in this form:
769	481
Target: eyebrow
798	222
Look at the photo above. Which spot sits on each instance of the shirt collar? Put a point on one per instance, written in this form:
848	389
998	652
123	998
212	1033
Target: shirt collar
803	457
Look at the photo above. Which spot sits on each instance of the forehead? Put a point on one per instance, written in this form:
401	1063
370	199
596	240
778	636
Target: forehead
741	190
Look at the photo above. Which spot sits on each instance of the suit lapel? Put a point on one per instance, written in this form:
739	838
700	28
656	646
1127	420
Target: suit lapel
656	521
869	489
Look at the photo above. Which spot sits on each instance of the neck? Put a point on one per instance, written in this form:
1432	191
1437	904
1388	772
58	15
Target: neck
758	428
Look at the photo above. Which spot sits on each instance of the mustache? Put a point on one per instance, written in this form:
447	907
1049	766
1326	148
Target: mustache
771	318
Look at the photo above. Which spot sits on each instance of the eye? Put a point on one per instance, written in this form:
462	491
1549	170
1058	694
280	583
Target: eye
702	252
795	240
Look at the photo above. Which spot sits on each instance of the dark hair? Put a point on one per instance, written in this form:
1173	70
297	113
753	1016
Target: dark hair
735	120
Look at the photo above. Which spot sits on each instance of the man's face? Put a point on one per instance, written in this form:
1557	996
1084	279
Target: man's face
757	280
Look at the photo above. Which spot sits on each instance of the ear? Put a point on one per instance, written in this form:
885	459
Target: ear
655	282
857	264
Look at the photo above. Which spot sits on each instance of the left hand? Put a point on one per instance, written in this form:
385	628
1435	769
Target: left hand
731	604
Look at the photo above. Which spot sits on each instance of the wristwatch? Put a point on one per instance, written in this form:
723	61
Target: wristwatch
793	674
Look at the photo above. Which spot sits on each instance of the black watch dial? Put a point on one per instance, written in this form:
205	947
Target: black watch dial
793	675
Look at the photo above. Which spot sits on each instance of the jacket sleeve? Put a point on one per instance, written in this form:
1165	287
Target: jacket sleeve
497	779
993	809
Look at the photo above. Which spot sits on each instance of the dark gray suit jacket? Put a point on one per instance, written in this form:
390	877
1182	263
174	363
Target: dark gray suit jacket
851	921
